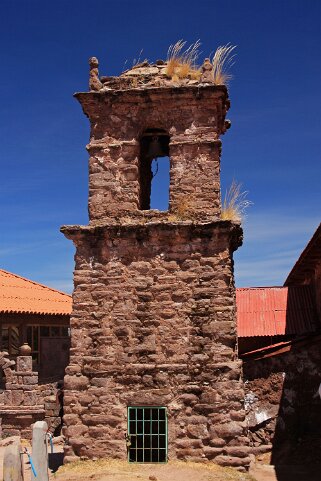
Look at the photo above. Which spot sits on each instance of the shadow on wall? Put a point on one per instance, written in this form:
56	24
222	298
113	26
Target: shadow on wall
283	405
297	436
2	381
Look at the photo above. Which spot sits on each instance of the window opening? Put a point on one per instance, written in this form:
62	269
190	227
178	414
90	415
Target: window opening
147	434
159	197
10	340
54	331
33	341
36	332
154	166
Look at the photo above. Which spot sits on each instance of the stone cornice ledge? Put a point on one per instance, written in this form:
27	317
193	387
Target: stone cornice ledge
193	229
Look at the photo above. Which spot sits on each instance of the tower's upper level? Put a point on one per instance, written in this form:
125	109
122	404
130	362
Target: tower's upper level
146	114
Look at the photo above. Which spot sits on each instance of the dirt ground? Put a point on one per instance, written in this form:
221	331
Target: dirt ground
181	471
114	470
103	470
55	459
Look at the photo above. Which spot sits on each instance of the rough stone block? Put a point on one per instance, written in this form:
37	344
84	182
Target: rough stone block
198	431
232	461
24	363
30	398
31	380
227	430
13	463
76	383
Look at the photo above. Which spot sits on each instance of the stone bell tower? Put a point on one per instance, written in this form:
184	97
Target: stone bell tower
153	371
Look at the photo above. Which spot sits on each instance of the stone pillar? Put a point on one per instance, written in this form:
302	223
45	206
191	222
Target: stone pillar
195	178
13	462
113	178
19	407
39	451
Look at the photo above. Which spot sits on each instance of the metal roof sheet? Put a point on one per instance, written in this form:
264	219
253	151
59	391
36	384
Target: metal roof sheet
275	311
281	347
20	295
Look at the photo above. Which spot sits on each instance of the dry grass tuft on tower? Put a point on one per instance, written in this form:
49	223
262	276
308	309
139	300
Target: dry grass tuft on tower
235	203
222	61
182	63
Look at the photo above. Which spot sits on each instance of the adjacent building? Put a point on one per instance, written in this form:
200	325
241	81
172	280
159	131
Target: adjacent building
38	315
279	331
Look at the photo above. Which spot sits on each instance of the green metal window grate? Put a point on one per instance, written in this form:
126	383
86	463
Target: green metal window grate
147	434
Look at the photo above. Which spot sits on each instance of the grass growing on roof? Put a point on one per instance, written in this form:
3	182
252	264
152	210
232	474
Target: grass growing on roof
235	203
181	61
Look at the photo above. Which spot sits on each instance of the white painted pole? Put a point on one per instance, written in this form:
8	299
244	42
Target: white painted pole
39	451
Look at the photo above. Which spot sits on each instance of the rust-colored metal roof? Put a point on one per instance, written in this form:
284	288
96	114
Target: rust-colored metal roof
281	347
275	311
20	295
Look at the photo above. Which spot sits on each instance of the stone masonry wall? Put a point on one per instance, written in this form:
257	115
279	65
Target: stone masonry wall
24	401
154	324
20	405
48	394
283	409
153	321
118	119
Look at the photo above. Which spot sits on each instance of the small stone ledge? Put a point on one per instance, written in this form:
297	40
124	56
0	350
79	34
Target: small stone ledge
225	233
17	410
121	226
146	90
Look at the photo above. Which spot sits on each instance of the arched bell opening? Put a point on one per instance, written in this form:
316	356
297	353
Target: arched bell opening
154	168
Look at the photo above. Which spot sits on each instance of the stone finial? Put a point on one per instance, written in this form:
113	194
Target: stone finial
94	82
207	71
25	349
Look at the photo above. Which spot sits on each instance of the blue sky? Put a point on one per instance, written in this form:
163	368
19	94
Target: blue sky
273	147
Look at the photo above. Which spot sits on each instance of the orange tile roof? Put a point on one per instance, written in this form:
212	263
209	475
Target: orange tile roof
275	311
20	295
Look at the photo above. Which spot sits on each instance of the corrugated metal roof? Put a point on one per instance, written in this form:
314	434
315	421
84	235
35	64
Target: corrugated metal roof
20	295
275	311
281	347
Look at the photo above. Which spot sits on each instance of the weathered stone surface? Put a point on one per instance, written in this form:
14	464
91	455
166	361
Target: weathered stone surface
281	403
13	462
188	443
21	403
94	82
223	460
24	363
76	383
217	442
228	430
212	452
238	451
153	321
198	431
